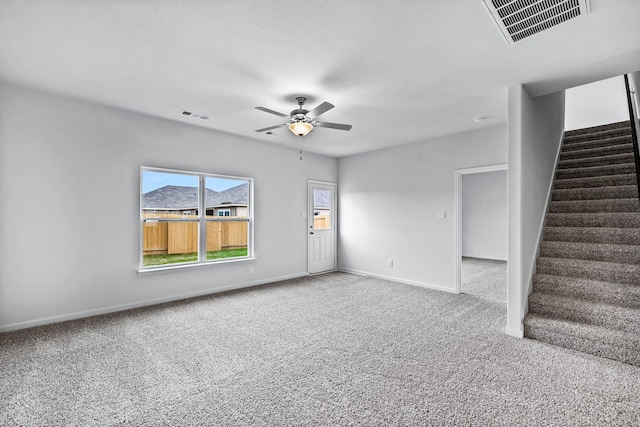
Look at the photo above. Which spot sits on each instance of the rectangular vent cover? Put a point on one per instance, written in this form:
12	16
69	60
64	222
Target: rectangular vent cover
519	19
194	115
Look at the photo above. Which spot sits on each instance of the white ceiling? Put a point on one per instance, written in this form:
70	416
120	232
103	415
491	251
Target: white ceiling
398	71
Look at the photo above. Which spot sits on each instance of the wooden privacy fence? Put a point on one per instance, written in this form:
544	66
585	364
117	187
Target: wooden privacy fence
161	237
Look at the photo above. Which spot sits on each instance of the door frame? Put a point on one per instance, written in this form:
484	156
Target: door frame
457	216
334	221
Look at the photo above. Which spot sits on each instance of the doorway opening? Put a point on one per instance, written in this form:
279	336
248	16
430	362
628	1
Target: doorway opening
481	244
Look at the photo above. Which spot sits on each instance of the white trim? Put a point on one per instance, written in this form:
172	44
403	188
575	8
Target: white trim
543	223
518	333
144	303
399	280
195	264
457	215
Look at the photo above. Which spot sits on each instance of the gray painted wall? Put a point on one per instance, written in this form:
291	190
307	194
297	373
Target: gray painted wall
69	182
597	103
485	215
535	134
388	202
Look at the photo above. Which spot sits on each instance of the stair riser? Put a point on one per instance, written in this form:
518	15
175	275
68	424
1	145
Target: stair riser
617	273
598	171
594	206
620	295
573	138
596	151
577	145
629	254
621	353
605	319
596	182
610	220
628	236
618	192
600	131
596	161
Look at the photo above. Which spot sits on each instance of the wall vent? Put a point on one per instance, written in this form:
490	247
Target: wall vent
519	19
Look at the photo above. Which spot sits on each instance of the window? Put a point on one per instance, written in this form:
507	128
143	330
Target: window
321	209
193	218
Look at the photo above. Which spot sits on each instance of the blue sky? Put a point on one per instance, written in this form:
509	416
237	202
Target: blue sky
152	180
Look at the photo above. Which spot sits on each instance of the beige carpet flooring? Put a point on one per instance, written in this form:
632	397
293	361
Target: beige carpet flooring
329	350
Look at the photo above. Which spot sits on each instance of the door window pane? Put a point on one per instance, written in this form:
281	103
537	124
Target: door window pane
321	209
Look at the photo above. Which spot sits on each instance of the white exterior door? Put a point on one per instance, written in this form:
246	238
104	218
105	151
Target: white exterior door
322	227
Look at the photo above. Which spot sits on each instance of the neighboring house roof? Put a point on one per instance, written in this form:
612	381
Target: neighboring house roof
181	197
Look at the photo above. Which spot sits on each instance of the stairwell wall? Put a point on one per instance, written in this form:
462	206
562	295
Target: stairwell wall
535	130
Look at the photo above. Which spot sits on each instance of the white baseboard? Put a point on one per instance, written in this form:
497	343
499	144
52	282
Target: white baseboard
480	256
138	304
518	333
399	280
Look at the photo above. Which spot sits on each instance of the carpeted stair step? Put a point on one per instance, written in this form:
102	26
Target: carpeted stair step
594	219
612	192
596	181
620	294
625	254
617	236
596	171
591	339
592	270
578	145
597	147
600	131
579	310
613	159
607	205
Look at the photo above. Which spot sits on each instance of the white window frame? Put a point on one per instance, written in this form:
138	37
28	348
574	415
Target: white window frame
202	220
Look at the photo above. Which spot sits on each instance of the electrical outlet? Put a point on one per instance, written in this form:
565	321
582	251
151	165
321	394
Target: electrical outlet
390	263
251	269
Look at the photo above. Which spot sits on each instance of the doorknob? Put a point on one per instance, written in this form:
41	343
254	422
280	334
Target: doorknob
311	232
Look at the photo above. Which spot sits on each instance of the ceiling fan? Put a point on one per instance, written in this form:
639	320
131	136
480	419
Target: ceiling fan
301	121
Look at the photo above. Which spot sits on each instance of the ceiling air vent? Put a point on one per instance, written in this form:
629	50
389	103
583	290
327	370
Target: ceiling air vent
519	19
194	115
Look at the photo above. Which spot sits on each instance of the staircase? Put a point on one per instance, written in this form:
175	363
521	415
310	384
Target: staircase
586	290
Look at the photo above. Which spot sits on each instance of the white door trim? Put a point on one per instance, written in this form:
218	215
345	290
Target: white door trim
457	215
334	222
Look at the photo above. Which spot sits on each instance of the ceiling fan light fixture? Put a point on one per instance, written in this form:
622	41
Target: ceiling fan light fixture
300	128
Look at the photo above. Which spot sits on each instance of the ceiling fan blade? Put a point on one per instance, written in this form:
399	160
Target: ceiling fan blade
333	125
266	110
271	127
320	109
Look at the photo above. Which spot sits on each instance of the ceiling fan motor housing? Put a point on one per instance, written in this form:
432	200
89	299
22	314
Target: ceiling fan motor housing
299	115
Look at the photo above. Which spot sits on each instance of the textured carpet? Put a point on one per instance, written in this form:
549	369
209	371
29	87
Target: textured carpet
327	350
586	290
485	279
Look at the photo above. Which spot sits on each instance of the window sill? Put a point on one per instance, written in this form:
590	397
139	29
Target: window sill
153	270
